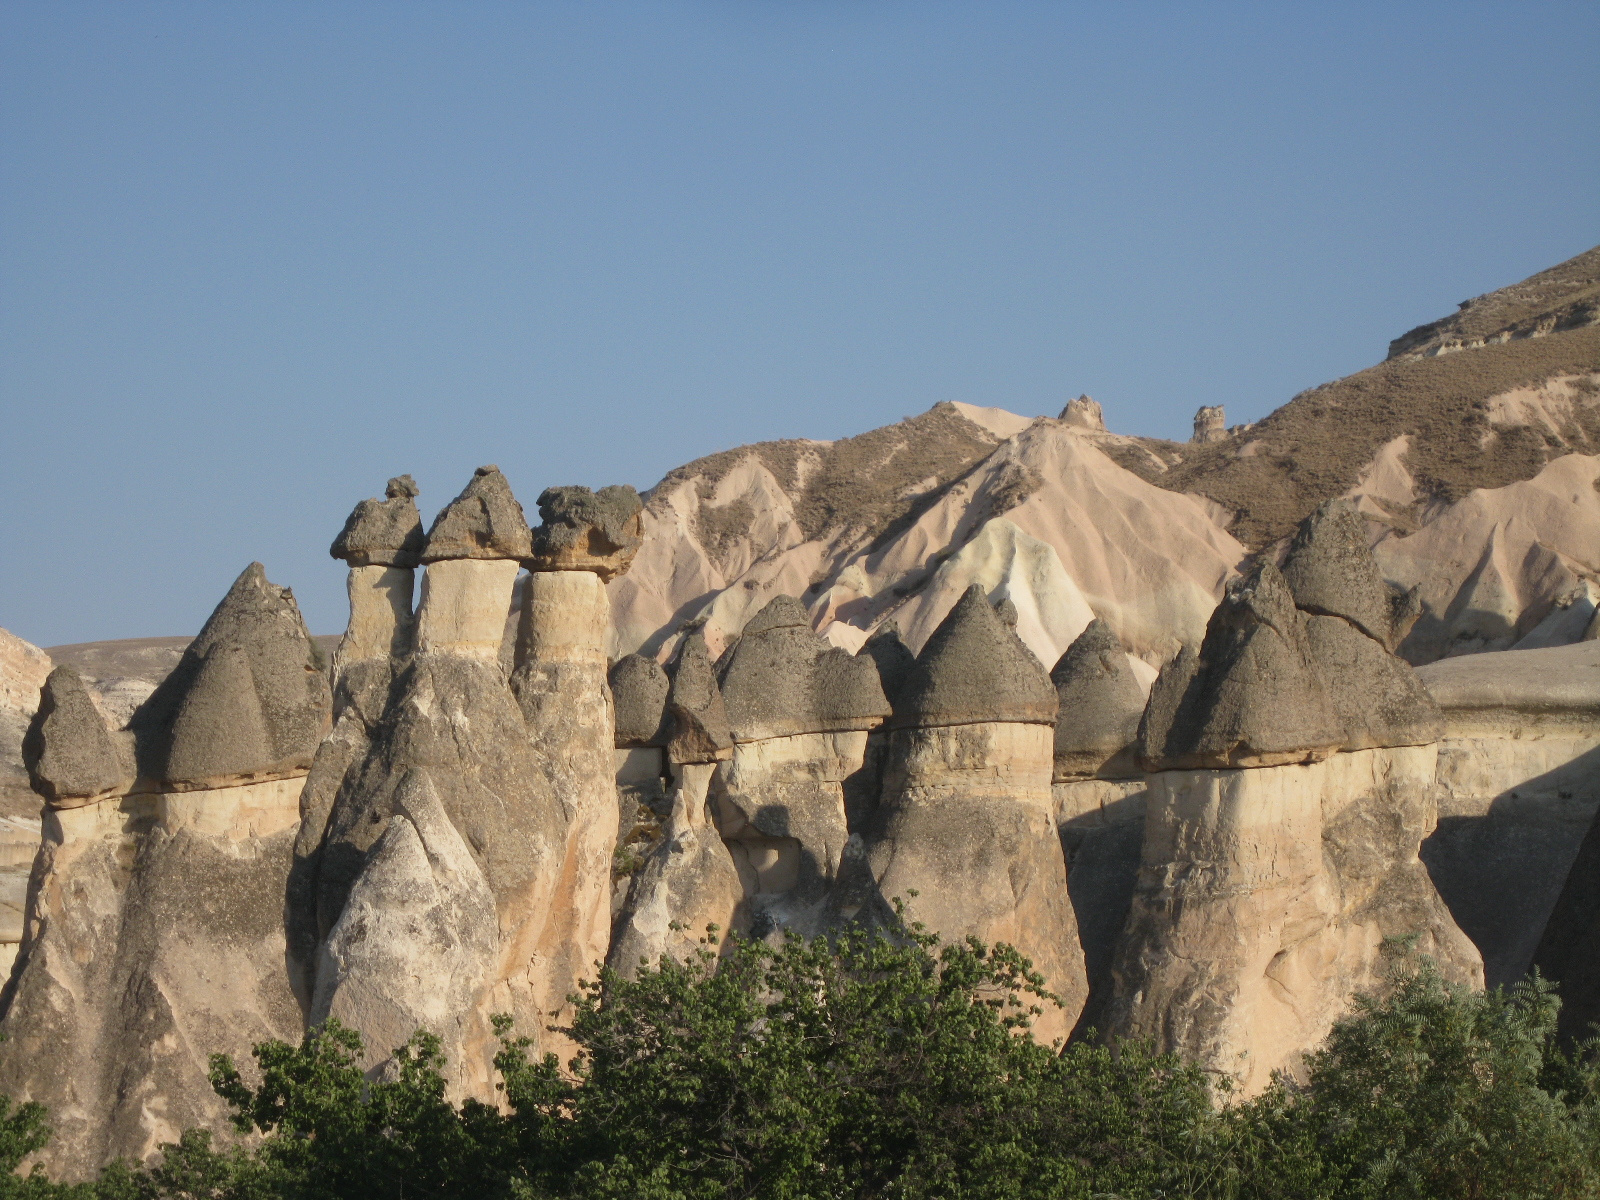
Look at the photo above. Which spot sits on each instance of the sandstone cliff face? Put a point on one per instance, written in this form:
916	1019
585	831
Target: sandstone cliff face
153	938
1280	844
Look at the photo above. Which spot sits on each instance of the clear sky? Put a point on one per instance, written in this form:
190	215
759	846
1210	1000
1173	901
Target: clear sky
257	257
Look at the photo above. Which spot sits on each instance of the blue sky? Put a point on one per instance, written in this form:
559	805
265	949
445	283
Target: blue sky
257	257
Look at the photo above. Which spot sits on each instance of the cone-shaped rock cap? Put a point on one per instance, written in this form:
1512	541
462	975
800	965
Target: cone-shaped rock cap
975	669
248	698
581	530
639	690
386	533
484	521
1331	571
1257	698
1101	702
894	661
784	679
700	732
68	751
1166	698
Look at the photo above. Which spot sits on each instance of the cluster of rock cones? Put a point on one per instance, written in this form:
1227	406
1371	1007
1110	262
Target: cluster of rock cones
470	809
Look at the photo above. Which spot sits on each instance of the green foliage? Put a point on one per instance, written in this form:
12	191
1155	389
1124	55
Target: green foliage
865	1067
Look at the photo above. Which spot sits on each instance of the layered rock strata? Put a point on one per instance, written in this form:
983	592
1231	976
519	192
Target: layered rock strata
154	934
964	833
1280	861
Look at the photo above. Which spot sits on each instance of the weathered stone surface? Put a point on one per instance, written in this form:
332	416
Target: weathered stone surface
1264	900
383	533
1377	698
700	731
967	821
688	883
23	669
484	521
1330	571
464	606
975	669
581	530
639	690
382	625
1101	702
1210	424
1085	413
1256	698
69	751
248	699
783	679
894	661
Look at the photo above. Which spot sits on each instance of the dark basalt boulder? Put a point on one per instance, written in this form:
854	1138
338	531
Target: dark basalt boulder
1101	703
1257	698
386	532
581	530
484	521
68	751
976	669
248	698
639	689
783	679
700	732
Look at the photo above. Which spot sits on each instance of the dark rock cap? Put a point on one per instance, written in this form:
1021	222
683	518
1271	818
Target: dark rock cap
385	533
639	690
581	530
1101	703
1377	697
1330	570
894	661
1006	609
484	521
68	750
700	732
784	679
248	698
1166	698
1257	698
975	669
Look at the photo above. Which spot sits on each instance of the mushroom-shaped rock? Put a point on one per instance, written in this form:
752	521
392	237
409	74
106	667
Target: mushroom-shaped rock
975	669
383	533
1101	703
894	661
639	690
1331	571
68	751
1257	698
700	732
782	678
484	521
580	530
248	698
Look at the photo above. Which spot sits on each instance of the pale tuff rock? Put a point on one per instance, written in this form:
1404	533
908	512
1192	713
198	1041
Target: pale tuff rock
1256	698
1101	702
23	669
383	533
1518	791
581	530
966	817
639	690
416	945
974	669
381	621
484	521
700	731
247	700
781	679
69	752
1264	900
155	936
464	606
1085	413
1210	425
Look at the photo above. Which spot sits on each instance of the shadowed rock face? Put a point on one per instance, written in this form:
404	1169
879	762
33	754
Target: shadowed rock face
974	669
69	753
894	661
783	679
484	521
639	690
248	698
700	731
1101	703
581	530
1331	572
383	533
